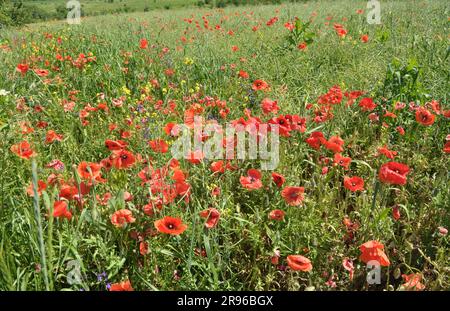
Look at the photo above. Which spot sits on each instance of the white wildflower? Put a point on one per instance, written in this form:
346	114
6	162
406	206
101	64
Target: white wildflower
3	92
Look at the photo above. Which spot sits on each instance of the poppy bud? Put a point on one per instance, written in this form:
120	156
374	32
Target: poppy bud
396	212
275	258
442	231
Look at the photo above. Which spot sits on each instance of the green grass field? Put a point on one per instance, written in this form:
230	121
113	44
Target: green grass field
100	7
40	10
100	81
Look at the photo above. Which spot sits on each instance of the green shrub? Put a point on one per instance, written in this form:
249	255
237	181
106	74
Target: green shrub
17	13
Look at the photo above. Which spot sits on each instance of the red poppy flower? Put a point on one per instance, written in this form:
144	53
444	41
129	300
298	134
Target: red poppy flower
122	217
68	192
315	140
260	85
106	164
25	128
51	136
373	250
424	116
393	173
212	216
399	106
269	106
302	46
218	167
125	134
367	104
143	43
159	145
170	225
41	72
278	179
178	175
41	187
289	26
447	147
124	286
364	38
174	163
104	200
123	159
22	68
354	183
89	170
56	165
352	96
293	195
374	117
23	150
334	144
143	248
332	97
114	145
400	130
169	72
413	282
389	114
41	124
60	210
242	74
284	125
103	106
296	123
299	263
342	161
195	157
276	215
215	191
435	106
252	181
388	153
272	21
149	209
172	129
341	32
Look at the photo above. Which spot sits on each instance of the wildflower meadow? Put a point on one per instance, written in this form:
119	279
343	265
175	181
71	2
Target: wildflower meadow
290	146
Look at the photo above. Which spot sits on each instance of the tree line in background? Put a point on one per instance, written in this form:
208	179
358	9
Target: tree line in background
18	12
14	13
224	3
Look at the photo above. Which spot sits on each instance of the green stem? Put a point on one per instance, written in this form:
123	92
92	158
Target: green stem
375	193
37	216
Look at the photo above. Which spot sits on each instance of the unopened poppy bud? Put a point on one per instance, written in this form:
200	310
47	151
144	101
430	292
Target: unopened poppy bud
442	231
396	212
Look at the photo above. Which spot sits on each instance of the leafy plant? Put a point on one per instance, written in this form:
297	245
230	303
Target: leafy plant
402	81
301	33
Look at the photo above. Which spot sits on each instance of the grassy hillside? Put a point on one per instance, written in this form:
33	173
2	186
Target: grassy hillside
97	7
28	11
